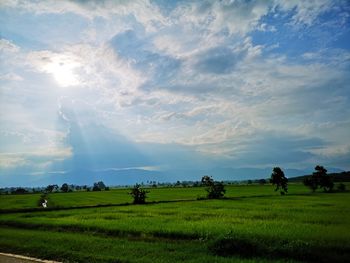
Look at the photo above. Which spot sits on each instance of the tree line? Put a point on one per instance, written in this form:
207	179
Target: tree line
319	179
216	190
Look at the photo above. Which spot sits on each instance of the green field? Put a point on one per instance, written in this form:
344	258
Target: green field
253	223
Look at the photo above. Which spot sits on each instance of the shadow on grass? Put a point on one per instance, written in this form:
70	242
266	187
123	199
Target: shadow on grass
58	208
278	249
133	234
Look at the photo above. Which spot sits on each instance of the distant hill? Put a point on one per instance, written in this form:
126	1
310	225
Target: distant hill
338	177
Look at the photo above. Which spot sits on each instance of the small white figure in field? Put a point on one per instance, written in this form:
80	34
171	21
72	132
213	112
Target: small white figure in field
45	203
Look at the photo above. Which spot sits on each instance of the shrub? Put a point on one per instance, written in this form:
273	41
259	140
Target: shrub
215	189
96	188
262	181
319	179
341	187
139	195
42	199
230	246
65	188
19	191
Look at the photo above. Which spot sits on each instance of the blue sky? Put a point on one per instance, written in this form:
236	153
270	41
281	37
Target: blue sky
171	88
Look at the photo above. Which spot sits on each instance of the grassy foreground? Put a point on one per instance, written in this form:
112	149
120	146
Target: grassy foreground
252	224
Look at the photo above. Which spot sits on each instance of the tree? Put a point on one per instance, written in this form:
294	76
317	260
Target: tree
326	181
262	181
51	187
101	185
319	179
138	194
311	183
215	189
64	188
96	187
341	187
279	180
19	191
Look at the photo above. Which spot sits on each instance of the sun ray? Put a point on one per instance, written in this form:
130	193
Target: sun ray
63	70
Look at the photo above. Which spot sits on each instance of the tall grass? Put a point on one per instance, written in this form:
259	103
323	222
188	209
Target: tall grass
299	226
121	196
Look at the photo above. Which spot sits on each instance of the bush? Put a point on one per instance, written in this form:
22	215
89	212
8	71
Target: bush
96	188
262	181
139	195
65	188
215	189
285	250
230	246
99	186
19	191
319	179
42	199
341	187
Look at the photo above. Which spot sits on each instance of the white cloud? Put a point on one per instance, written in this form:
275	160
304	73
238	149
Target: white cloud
6	46
143	11
306	12
38	158
193	78
11	77
61	66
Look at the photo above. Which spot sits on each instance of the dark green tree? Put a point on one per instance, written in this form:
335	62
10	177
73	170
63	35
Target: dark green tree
64	188
19	190
96	187
262	181
341	187
326	181
215	189
51	187
101	185
311	183
279	180
139	195
319	179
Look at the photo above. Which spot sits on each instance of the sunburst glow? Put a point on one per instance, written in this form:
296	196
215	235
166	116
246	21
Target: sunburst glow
63	71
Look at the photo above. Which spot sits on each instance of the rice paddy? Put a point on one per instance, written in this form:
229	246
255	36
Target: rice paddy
253	223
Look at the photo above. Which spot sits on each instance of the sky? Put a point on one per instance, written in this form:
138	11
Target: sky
168	90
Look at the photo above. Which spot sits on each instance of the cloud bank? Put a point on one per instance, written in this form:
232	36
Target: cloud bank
89	85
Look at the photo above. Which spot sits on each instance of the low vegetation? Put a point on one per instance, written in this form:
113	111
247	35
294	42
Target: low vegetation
215	189
279	180
212	222
319	179
252	223
138	194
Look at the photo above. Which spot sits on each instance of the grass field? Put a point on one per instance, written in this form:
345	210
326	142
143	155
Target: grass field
252	224
121	196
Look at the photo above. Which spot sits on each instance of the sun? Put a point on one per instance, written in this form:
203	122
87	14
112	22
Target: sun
63	69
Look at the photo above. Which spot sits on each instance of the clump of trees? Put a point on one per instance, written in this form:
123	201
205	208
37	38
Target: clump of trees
65	188
215	189
319	179
99	186
139	195
51	188
279	180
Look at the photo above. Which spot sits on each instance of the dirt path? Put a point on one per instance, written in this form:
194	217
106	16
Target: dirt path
11	258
